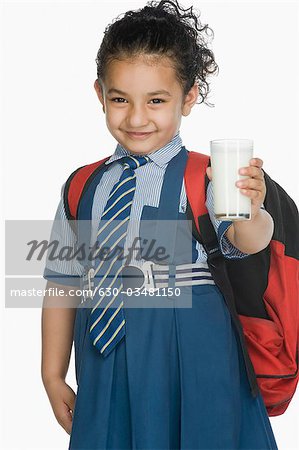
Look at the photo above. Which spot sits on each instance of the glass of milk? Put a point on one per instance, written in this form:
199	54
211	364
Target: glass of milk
227	157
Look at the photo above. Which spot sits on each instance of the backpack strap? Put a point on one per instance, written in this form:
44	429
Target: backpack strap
196	182
240	271
75	186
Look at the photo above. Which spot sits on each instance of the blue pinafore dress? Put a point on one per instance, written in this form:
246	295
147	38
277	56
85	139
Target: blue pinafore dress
177	380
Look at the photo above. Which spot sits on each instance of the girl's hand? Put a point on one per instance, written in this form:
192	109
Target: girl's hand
62	399
253	187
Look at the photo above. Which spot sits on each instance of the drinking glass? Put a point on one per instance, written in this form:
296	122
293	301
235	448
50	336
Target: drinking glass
227	157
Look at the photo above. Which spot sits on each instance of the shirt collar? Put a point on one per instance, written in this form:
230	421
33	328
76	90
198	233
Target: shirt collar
161	157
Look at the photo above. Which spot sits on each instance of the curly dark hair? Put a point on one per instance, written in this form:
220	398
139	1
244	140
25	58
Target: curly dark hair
162	29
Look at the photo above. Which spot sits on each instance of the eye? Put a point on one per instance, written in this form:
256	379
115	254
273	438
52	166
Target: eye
157	100
118	100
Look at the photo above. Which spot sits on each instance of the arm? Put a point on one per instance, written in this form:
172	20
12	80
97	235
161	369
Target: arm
57	334
252	236
58	319
57	338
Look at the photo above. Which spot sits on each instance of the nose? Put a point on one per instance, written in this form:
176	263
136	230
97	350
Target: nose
137	117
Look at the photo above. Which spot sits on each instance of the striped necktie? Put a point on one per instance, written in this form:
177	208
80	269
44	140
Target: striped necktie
107	318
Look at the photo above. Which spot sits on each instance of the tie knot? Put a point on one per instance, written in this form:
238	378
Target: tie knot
134	161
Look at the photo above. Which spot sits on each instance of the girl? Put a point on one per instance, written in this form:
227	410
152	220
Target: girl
167	376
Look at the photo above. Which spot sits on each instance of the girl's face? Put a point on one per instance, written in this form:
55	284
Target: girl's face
143	103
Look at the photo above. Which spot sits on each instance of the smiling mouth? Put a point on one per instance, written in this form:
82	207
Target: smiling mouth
139	135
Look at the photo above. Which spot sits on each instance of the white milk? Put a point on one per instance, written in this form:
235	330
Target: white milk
227	157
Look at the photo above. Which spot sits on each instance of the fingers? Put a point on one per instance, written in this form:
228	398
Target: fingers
253	187
256	162
254	170
251	183
65	418
70	398
253	194
62	398
67	410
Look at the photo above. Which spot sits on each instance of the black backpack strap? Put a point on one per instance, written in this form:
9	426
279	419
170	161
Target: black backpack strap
66	194
217	265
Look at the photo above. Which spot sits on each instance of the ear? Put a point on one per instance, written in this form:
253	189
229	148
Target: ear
100	94
190	100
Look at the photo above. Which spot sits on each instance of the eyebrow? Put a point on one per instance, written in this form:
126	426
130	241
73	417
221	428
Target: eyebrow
118	91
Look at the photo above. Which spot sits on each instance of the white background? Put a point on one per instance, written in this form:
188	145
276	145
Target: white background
53	123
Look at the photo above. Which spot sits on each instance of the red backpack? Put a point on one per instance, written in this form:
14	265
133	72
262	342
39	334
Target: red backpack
270	278
261	290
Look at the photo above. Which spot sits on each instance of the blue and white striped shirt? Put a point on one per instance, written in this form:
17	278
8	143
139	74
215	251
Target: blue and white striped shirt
149	179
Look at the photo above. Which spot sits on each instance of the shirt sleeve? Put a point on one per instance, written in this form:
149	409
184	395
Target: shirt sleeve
221	226
61	266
